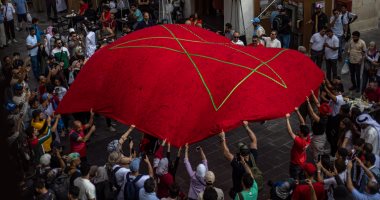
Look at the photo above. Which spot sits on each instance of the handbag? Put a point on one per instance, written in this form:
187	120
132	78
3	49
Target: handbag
29	17
345	68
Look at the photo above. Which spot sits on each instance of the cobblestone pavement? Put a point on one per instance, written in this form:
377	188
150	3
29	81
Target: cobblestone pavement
273	141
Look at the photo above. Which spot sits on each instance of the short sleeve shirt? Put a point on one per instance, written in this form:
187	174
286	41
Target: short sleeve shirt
20	6
336	105
363	196
31	41
337	28
332	42
317	41
298	152
356	50
302	192
319	128
139	15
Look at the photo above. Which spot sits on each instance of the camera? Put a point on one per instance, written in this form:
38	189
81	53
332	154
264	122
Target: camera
198	148
143	155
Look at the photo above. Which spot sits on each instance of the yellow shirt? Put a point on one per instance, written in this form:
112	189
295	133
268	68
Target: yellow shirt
39	125
356	50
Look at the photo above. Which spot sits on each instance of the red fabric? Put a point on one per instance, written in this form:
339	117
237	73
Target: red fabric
159	153
372	95
163	185
298	152
302	192
147	79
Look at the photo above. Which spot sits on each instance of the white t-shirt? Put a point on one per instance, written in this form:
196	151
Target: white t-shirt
346	16
8	11
332	42
90	44
317	41
371	136
86	188
239	42
31	41
335	106
272	43
337	28
61	91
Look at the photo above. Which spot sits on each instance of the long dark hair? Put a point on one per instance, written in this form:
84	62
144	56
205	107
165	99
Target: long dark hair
348	126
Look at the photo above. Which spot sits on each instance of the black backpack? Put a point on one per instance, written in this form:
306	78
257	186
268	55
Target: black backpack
277	23
60	185
131	191
115	188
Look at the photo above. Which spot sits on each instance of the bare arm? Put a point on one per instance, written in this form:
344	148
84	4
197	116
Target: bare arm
312	191
246	167
315	99
124	137
251	135
226	152
88	135
91	121
54	127
289	127
315	117
150	168
331	95
366	170
203	155
300	118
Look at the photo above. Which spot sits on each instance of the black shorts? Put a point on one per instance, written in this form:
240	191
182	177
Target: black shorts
21	17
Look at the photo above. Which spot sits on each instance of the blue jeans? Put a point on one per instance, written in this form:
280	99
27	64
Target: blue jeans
35	66
285	40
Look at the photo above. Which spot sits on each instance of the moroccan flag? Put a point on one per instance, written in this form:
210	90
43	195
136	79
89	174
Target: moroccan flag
185	83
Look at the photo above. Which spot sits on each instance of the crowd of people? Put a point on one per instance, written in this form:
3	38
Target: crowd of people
343	143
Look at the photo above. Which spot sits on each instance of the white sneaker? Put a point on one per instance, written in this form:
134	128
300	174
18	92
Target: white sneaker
112	129
15	41
10	42
17	29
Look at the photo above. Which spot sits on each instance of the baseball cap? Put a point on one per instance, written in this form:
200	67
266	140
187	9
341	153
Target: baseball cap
45	96
309	168
135	165
71	30
256	20
243	148
73	156
45	159
279	7
318	6
210	177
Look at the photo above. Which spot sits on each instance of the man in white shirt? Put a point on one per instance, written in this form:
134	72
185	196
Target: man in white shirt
348	18
272	41
86	188
32	46
236	39
337	25
331	53
369	131
317	42
9	24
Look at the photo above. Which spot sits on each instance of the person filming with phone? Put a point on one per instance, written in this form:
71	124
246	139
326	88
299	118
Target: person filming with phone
248	153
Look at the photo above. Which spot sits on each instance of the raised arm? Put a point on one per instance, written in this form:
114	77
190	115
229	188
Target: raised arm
289	127
330	94
226	152
54	127
251	135
315	99
150	168
88	135
300	118
91	121
312	191
203	155
124	137
246	167
366	170
315	117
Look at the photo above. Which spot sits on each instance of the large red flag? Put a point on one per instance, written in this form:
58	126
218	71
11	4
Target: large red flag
185	84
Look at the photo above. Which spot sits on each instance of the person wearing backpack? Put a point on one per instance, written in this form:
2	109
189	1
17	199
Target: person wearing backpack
282	24
117	169
249	153
134	181
148	191
347	18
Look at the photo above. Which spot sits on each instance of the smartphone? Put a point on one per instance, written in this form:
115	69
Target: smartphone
143	155
198	148
238	157
319	158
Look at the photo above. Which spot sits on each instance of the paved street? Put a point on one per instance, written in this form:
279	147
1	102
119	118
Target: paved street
273	141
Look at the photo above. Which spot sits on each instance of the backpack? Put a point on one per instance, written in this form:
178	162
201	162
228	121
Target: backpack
348	35
60	186
115	188
131	191
257	173
277	23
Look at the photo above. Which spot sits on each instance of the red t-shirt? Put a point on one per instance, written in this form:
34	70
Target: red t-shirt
298	152
372	95
302	192
163	185
78	146
83	9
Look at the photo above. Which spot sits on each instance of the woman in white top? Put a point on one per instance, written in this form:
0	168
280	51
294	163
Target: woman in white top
371	63
347	132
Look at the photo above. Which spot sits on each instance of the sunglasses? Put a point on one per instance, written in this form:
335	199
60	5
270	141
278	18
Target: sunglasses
236	37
